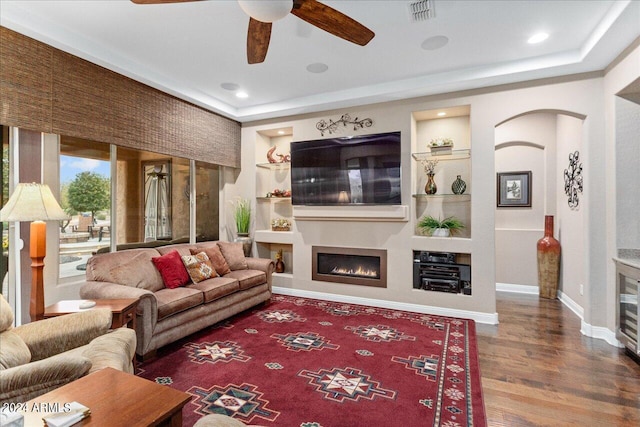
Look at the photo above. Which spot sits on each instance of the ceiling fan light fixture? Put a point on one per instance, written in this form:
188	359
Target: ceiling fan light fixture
266	10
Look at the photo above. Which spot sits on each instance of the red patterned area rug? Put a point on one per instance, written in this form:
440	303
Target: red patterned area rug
311	363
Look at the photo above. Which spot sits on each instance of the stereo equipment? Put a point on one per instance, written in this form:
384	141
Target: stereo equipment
438	271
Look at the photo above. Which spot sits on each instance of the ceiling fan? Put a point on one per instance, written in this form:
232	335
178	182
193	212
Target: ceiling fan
263	13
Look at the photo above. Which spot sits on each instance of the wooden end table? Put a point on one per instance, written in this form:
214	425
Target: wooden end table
123	310
115	398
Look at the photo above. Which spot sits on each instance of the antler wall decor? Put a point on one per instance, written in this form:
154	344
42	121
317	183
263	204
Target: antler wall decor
345	120
573	180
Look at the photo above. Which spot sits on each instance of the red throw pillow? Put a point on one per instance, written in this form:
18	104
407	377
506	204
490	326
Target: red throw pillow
172	270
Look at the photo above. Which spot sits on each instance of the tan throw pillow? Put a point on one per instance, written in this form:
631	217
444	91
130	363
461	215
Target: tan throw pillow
234	254
216	258
199	267
13	351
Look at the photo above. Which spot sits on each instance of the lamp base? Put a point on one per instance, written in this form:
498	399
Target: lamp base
37	252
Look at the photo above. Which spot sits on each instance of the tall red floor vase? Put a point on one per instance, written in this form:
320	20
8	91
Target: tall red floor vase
548	261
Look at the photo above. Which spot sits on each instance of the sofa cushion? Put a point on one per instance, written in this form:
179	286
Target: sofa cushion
199	267
172	270
132	267
6	315
215	256
234	254
171	301
248	278
13	350
216	287
182	248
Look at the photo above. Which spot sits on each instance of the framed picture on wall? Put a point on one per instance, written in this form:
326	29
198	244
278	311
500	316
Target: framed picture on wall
514	189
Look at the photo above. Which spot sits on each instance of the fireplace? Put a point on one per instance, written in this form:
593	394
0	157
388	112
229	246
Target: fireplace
354	266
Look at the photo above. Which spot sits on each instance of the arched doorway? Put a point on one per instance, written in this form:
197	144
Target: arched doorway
540	142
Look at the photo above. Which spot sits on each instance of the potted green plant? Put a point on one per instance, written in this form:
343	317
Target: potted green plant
440	228
242	218
242	215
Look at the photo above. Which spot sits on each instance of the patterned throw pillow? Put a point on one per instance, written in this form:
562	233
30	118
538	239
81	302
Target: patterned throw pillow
199	267
171	269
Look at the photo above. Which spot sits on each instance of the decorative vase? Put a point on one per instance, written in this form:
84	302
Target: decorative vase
548	261
279	262
430	187
458	186
246	241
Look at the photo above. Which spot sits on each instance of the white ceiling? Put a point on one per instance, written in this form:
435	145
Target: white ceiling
191	49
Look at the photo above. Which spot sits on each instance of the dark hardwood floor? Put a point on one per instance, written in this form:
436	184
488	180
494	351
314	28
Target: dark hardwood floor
539	370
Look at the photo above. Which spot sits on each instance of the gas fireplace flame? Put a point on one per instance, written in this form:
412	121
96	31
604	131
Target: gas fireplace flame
360	271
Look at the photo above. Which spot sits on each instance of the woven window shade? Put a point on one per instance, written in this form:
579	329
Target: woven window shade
25	82
52	91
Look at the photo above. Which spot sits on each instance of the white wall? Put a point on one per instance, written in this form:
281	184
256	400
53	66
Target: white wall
601	300
570	230
628	173
488	109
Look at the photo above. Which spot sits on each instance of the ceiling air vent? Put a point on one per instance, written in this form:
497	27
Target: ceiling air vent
421	10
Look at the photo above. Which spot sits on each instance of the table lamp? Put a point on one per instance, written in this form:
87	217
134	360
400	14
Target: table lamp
34	202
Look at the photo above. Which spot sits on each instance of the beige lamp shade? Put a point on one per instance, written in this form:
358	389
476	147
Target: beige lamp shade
32	202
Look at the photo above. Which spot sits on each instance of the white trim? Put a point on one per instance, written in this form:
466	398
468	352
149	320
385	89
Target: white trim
491	319
517	289
601	333
571	304
358	213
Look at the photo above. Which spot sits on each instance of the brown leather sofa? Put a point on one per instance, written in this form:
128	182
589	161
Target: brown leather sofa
166	315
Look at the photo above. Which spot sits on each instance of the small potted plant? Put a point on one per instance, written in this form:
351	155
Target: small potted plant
242	218
440	228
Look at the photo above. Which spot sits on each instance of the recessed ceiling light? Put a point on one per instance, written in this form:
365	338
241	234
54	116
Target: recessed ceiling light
230	86
317	67
442	113
241	94
537	38
280	132
435	42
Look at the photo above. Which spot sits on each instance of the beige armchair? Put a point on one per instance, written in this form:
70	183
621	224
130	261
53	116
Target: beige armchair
41	356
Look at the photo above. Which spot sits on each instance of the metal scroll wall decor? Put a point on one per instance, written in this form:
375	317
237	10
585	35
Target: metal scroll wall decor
573	180
331	126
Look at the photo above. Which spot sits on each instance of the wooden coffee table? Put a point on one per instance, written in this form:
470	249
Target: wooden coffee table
123	310
115	399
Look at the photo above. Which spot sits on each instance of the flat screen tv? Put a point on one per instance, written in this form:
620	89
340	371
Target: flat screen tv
358	170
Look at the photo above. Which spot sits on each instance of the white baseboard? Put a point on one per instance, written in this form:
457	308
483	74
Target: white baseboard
491	319
598	332
571	304
601	333
517	289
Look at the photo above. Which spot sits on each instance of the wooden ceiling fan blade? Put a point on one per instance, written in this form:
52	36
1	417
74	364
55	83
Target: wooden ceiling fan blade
258	37
332	21
161	1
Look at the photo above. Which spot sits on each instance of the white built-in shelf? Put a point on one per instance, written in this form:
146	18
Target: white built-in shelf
443	155
269	236
274	199
275	166
352	213
448	196
441	244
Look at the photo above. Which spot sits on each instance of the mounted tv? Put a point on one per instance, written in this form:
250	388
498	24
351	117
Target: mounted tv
358	170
